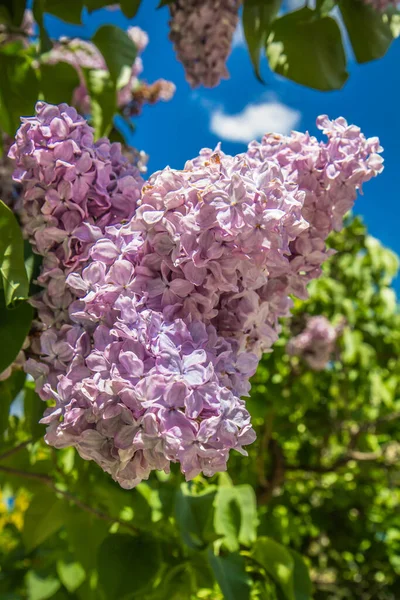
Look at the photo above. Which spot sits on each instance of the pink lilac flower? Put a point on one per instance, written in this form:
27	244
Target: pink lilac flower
202	32
316	343
83	54
159	299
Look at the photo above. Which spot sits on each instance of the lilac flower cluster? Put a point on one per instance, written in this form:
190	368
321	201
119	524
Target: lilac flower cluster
156	312
316	343
82	55
202	32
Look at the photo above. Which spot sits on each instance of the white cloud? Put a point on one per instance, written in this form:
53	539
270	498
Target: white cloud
254	121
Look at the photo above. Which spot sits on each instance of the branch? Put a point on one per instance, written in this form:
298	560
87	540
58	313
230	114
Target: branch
340	462
47	480
16	449
264	493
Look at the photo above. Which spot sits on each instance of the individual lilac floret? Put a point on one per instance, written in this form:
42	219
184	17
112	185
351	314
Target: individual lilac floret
316	343
202	32
154	320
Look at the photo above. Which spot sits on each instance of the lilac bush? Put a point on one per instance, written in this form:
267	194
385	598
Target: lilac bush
161	296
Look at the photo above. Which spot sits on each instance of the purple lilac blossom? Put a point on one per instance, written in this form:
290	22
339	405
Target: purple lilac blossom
160	298
316	343
202	32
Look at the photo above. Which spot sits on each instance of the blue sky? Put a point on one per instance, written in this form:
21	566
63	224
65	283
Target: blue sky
173	132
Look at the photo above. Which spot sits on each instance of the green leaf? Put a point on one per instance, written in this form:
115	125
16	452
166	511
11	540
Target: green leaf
14	328
257	17
126	564
194	515
9	389
38	9
130	7
308	50
369	30
71	574
44	517
12	11
103	99
301	578
93	5
278	563
235	515
66	11
12	263
19	90
85	534
230	573
33	264
117	48
33	412
41	587
323	7
67	80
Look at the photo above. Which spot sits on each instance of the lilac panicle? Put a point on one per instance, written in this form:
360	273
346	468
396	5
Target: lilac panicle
316	343
160	297
202	32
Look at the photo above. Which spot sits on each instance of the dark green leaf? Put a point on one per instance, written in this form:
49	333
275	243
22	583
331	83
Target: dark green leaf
12	11
194	515
301	578
369	30
9	389
126	564
117	48
278	563
38	9
45	516
103	99
67	80
93	5
257	17
66	11
12	264
33	263
308	50
18	92
85	534
130	7
235	515
14	328
33	411
230	573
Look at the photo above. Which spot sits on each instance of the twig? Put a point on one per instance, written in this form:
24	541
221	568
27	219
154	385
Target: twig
340	462
47	480
16	449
